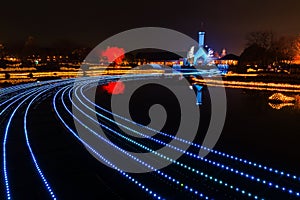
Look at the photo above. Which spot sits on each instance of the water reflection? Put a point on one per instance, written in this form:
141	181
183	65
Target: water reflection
113	88
279	106
278	101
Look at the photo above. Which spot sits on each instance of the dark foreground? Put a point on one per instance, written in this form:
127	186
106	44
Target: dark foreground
253	132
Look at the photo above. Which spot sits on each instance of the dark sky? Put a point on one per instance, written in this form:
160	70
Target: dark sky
89	22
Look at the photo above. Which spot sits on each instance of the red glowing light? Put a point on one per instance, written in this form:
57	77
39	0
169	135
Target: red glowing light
114	87
114	54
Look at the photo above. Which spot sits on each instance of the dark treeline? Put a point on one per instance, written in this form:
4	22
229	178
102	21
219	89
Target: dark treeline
265	49
31	47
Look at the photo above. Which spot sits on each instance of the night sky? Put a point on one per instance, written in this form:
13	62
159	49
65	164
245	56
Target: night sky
89	22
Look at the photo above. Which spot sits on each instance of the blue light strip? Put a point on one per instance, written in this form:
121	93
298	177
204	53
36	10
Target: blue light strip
27	86
121	150
8	194
143	187
244	161
12	98
18	97
211	178
229	169
42	176
84	84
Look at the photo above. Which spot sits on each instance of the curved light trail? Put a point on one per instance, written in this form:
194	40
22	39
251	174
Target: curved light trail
220	176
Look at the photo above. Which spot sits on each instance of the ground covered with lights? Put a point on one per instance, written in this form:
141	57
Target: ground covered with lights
44	158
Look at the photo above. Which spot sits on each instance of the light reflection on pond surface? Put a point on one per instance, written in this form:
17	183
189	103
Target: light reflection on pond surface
260	132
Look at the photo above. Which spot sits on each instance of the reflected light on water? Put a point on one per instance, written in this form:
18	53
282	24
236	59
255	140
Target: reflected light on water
280	87
114	87
279	106
287	101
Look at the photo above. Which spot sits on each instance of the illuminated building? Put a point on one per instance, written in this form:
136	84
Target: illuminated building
159	58
199	56
229	59
12	61
202	55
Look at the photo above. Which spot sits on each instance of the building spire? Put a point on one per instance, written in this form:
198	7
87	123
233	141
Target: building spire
201	35
202	27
